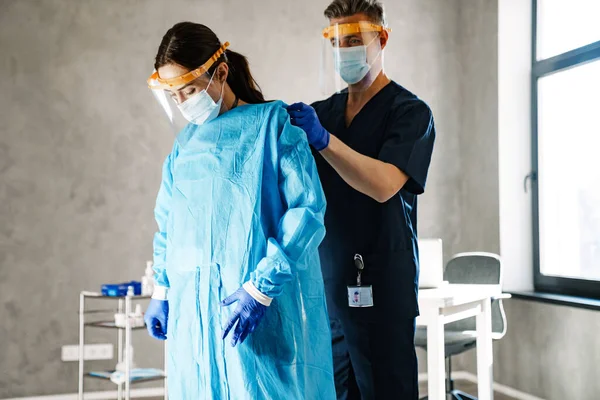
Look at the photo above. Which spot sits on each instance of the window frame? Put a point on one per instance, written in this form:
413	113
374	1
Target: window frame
541	68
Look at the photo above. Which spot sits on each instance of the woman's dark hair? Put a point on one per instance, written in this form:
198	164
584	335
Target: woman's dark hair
191	45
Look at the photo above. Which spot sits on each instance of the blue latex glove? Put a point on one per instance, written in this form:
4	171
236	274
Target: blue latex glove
305	117
247	314
156	318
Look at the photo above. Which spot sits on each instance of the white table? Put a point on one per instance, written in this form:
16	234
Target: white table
451	303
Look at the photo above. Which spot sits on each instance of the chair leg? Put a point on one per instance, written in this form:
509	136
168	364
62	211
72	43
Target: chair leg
456	394
460	395
449	380
451	392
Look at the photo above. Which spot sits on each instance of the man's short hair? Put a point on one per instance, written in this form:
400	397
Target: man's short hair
345	8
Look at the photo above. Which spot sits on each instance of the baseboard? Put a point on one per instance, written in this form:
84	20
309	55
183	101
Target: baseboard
106	395
499	388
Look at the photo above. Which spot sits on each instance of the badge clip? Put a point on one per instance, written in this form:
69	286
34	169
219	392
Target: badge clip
359	295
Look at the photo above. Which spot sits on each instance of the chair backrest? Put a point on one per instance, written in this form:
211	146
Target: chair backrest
483	269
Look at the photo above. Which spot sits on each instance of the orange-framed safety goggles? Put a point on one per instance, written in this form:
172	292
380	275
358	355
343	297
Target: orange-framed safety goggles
156	82
352	28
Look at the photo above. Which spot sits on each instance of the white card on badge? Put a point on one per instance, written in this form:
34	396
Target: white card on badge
360	296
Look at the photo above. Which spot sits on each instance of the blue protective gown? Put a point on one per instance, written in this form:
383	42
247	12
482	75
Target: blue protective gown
241	200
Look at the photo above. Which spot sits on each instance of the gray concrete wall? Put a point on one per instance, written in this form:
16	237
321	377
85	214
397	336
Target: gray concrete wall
82	142
479	128
473	176
549	351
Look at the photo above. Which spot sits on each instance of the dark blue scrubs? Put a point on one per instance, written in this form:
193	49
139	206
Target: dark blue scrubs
373	348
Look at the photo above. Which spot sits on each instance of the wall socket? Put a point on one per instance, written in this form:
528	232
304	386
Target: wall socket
102	351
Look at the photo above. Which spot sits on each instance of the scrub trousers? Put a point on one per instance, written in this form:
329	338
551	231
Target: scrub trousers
374	360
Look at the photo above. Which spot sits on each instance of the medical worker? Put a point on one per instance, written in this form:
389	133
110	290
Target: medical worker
240	212
373	141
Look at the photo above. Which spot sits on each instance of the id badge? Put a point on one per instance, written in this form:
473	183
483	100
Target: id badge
360	296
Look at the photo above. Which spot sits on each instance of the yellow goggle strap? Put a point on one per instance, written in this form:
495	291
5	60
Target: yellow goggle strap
352	28
156	82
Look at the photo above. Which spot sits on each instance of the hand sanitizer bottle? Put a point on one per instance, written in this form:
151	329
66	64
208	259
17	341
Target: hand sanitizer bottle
148	280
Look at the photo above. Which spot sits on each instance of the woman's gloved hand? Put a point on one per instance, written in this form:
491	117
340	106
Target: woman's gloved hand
305	117
156	318
248	314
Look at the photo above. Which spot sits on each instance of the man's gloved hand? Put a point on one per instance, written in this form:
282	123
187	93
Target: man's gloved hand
156	318
247	314
305	117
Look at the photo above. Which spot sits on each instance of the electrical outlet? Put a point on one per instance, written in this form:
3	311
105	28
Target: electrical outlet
90	352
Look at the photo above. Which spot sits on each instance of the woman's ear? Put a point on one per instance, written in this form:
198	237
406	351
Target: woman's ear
222	72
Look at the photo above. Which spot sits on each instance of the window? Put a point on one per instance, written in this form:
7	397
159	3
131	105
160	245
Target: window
564	25
566	146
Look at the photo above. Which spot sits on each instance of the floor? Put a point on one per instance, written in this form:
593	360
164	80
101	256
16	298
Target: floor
467	387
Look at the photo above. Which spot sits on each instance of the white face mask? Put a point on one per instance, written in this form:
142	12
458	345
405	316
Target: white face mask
201	108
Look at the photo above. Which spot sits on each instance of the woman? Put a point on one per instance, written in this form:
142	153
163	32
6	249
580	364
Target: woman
240	216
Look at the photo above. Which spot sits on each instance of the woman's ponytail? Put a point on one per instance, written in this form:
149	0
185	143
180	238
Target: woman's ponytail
240	79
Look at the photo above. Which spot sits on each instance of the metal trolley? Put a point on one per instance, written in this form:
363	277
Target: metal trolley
125	304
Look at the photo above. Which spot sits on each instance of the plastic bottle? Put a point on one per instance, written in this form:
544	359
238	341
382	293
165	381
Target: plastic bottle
148	280
138	317
126	354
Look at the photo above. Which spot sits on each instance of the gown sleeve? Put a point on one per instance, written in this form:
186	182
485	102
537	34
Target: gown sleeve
161	214
301	228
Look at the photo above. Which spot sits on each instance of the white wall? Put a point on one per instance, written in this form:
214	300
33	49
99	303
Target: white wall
514	142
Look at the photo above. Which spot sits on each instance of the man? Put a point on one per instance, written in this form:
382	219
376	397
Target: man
373	143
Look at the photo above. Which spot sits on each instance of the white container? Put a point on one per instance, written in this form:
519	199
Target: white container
120	320
136	319
127	354
148	280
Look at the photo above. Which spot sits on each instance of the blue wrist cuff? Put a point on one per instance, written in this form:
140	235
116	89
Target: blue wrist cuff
324	142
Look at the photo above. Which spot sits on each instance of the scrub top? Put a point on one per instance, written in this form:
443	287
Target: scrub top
395	127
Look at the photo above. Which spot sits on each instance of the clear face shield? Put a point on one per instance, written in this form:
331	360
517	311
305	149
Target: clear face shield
352	56
194	97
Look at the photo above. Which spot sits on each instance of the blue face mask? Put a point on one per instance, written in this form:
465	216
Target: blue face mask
351	63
